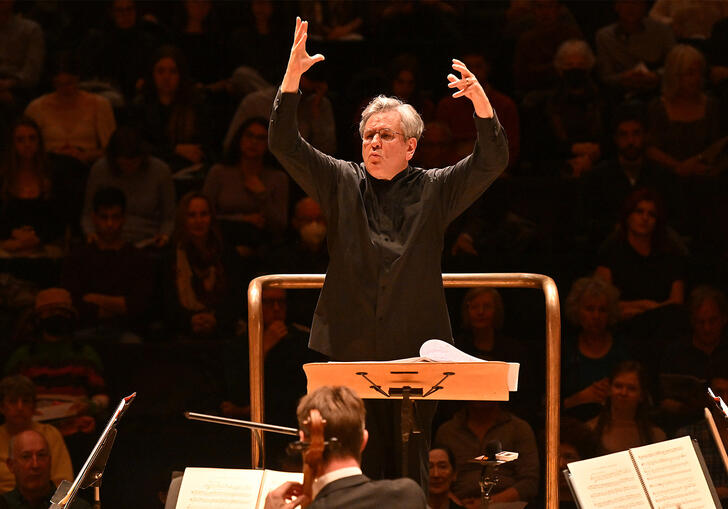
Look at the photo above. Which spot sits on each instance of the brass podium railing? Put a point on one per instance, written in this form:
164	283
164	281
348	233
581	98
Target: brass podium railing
510	280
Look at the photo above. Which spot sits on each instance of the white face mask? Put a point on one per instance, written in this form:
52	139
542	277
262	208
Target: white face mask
313	233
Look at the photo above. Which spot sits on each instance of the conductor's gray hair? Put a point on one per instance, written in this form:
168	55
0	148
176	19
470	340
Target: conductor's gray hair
412	124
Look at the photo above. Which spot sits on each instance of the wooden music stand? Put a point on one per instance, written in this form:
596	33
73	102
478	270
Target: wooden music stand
473	381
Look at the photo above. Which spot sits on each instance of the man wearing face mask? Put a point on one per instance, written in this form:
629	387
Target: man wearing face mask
303	253
62	370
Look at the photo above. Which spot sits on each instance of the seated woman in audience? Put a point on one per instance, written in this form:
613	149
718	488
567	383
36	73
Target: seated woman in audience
481	335
624	423
146	182
640	259
30	212
74	123
566	124
589	358
251	196
201	286
684	121
170	113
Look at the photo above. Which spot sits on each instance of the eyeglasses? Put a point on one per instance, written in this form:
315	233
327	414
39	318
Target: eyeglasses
386	135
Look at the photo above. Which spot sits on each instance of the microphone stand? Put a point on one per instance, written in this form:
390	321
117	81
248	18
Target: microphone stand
93	469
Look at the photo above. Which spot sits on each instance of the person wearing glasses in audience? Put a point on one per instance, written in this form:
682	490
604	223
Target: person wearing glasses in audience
383	296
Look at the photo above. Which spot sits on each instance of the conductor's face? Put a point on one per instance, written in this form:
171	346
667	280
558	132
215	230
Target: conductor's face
384	148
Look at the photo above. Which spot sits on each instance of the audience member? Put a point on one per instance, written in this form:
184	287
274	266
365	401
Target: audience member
339	481
702	15
589	358
640	259
624	422
117	52
145	181
109	279
303	253
61	369
405	83
199	37
610	183
74	123
258	46
469	432
22	53
684	121
285	351
170	114
631	51
29	460
17	405
686	364
333	21
535	48
31	213
202	287
456	114
442	475
567	126
250	196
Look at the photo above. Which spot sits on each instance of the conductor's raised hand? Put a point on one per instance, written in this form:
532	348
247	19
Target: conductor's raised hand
299	61
467	85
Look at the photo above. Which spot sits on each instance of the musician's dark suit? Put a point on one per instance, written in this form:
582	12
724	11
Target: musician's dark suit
360	492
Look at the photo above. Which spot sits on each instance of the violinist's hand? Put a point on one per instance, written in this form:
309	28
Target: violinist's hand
286	496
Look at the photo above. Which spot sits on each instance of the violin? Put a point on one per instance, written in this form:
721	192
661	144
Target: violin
313	457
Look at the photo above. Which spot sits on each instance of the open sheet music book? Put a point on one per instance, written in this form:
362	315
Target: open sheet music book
227	488
665	475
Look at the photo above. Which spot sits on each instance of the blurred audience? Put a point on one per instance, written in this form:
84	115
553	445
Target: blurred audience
146	183
592	353
30	461
170	114
110	280
625	420
202	284
610	183
73	122
22	54
631	51
566	122
248	193
469	433
17	405
32	214
535	48
684	121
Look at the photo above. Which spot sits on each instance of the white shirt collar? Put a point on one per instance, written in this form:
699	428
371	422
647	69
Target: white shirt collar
335	475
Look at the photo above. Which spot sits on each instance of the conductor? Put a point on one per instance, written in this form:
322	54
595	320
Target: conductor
383	294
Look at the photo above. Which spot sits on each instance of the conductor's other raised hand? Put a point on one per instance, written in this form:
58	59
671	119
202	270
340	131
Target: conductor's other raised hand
299	61
468	86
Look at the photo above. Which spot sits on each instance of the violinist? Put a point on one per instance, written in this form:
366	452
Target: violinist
338	480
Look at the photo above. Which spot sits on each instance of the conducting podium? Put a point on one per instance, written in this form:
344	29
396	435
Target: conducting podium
442	372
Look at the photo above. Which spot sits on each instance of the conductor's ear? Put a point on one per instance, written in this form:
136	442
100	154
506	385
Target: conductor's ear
364	439
411	147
